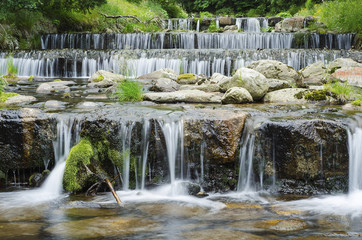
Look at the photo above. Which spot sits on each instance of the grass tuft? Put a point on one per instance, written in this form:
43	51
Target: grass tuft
129	91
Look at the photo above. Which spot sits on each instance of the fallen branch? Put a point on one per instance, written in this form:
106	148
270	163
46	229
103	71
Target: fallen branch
114	193
121	16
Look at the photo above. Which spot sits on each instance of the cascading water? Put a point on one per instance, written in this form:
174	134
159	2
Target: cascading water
145	144
126	136
355	160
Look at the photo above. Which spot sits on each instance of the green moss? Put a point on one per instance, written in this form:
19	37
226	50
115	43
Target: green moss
79	155
316	95
4	96
57	80
186	77
357	102
31	78
299	95
99	78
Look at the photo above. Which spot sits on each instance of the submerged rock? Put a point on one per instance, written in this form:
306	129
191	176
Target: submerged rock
277	70
189	96
236	95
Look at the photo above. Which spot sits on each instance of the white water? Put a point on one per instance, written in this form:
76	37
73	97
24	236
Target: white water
145	144
346	204
126	134
245	181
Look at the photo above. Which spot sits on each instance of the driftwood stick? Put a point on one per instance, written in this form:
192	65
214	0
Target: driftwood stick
120	16
114	193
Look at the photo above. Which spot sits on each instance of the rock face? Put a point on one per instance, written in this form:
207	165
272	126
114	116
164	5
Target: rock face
254	82
104	79
164	85
288	95
293	24
277	70
189	96
161	73
314	74
308	151
236	95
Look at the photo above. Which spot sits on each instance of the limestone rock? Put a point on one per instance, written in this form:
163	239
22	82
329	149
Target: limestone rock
230	28
277	70
161	73
164	85
55	86
190	96
276	84
293	24
226	20
236	95
341	63
287	95
314	74
218	77
187	78
20	99
54	104
206	87
352	75
104	79
251	80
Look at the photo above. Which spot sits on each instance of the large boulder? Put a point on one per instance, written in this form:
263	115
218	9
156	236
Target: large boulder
164	85
236	95
352	75
218	77
342	63
277	70
104	79
287	95
189	96
161	73
293	24
226	20
314	74
251	80
276	84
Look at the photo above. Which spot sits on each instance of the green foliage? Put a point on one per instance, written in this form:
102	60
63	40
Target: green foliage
12	70
300	38
128	28
316	95
213	27
342	15
129	91
5	96
342	91
186	77
79	156
268	29
357	102
284	14
309	4
99	78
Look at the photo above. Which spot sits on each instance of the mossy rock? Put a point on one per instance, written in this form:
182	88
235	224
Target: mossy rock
79	156
187	78
357	103
99	78
57	80
5	95
316	95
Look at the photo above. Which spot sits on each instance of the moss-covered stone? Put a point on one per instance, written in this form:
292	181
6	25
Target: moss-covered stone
4	96
99	78
79	156
187	77
316	95
357	102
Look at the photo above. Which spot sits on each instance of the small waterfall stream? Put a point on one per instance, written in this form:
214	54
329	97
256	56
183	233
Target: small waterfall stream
355	160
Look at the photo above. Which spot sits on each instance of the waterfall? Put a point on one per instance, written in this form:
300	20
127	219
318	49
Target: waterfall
62	145
198	25
253	25
126	136
174	138
355	160
246	174
145	144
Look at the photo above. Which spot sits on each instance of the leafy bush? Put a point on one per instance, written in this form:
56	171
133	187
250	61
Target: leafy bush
213	27
284	14
129	91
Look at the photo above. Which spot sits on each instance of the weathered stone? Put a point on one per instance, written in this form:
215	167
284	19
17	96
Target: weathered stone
217	78
277	70
230	28
54	104
251	80
276	84
223	21
187	78
88	105
164	85
341	63
293	24
104	79
272	21
161	73
352	75
19	99
191	96
314	74
55	86
206	87
287	95
236	95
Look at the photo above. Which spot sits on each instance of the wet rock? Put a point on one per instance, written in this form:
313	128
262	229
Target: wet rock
311	155
11	230
276	84
56	86
161	73
351	107
19	99
277	70
164	85
283	225
351	75
54	104
104	79
85	105
226	20
254	82
314	74
219	233
189	96
287	95
236	95
293	24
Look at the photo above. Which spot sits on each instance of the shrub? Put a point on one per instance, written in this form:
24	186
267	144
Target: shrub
10	67
213	27
284	14
342	91
129	91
